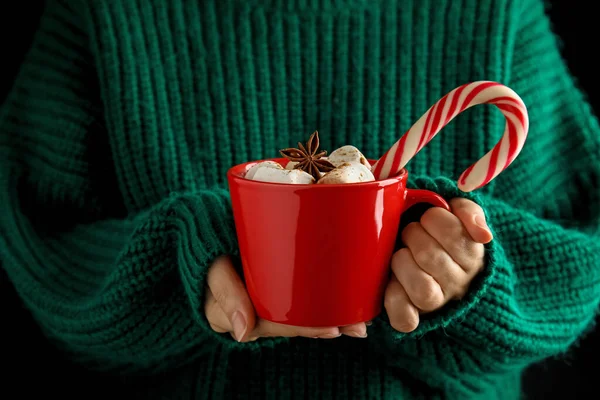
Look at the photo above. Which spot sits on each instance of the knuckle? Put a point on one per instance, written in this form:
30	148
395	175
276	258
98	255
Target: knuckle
429	295
431	215
427	256
460	244
392	298
400	258
221	297
463	203
409	230
407	324
470	250
457	233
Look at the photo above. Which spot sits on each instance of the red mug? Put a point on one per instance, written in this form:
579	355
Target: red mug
319	255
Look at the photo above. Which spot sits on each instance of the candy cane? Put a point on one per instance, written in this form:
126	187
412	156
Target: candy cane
442	112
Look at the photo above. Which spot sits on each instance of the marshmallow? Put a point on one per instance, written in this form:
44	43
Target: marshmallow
280	175
290	165
353	172
348	154
265	164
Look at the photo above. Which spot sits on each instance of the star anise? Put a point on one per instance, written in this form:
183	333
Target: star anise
308	158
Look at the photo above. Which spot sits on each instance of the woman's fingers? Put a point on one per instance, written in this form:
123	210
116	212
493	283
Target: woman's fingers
215	315
228	309
271	329
403	315
355	330
230	294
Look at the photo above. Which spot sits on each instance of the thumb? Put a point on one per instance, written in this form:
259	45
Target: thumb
231	295
473	218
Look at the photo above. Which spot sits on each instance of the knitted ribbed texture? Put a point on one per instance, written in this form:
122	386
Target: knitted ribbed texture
116	138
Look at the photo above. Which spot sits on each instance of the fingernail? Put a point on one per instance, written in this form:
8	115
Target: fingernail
358	334
369	323
480	221
239	325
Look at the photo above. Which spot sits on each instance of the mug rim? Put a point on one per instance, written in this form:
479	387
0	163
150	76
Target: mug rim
232	174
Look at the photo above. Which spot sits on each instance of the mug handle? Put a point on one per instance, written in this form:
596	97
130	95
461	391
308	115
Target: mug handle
416	196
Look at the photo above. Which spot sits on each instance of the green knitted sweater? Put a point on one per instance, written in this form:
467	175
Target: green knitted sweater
126	114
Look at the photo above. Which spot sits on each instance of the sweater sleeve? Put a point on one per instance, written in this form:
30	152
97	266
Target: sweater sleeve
540	289
114	288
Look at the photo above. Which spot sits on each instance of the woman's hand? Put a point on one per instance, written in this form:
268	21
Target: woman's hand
228	309
443	253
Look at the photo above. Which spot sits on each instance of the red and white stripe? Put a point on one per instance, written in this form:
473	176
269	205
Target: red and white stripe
442	112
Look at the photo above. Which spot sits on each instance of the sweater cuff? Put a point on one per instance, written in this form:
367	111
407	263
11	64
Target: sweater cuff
203	230
457	309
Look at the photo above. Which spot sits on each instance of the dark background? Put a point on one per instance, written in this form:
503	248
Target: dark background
574	21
